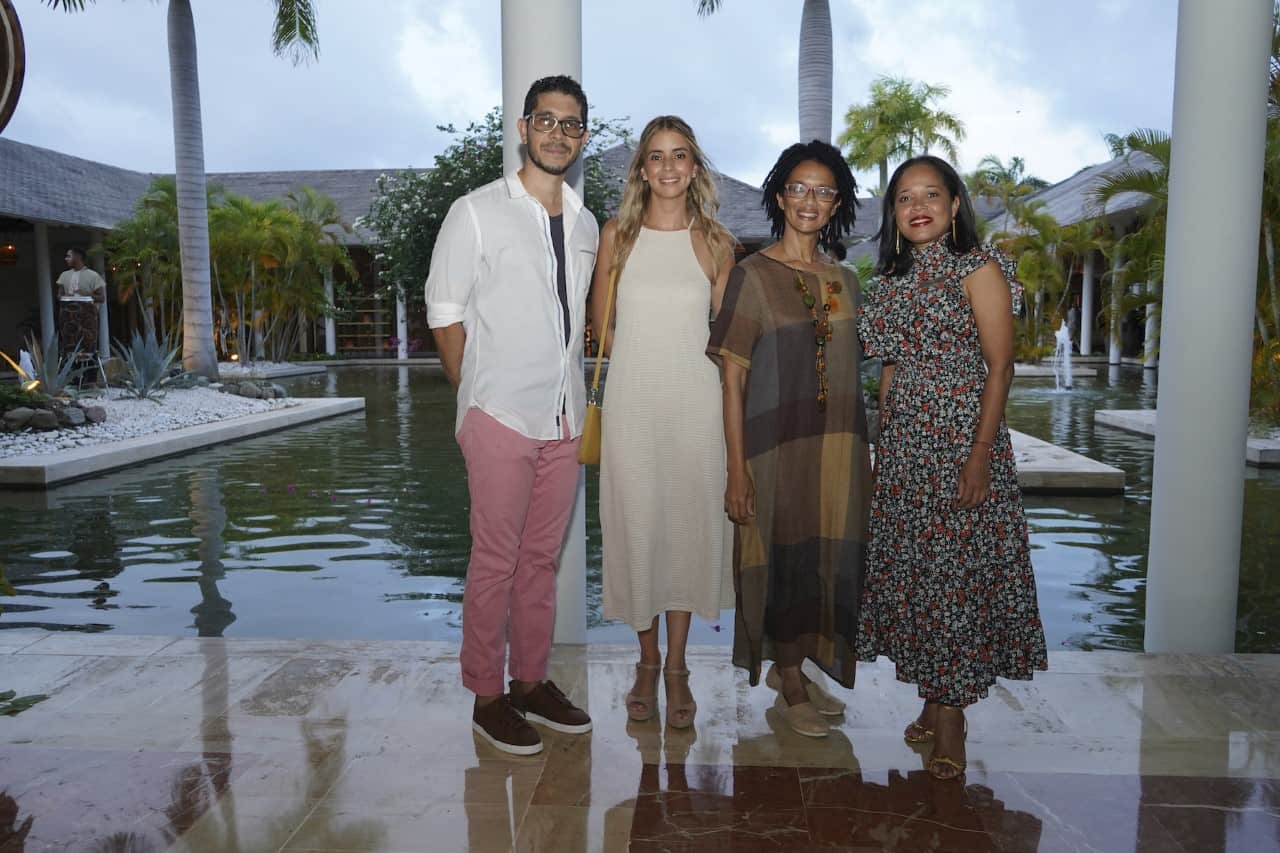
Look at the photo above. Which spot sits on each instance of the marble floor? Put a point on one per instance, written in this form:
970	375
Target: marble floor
166	744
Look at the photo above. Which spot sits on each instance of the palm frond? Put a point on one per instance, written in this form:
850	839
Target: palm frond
294	34
708	7
67	5
1145	182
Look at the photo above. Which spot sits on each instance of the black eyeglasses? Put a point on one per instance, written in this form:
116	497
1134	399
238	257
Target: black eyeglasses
546	122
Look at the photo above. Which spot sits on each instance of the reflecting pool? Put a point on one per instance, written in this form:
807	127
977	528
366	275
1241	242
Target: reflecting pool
356	528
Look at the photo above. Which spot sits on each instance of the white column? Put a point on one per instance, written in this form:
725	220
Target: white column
44	283
330	327
402	328
540	38
1220	82
1086	304
1113	328
1151	337
99	254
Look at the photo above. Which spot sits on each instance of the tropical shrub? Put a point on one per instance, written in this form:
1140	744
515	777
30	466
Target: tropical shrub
54	372
1264	386
148	364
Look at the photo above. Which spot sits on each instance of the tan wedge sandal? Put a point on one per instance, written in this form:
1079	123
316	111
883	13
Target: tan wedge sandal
647	705
679	716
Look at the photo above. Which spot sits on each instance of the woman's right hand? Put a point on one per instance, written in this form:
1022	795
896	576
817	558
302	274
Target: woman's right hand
740	496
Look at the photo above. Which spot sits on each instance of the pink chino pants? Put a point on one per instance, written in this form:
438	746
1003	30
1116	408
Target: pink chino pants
522	493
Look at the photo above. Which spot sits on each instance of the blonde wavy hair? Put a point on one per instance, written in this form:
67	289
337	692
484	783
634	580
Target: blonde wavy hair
701	200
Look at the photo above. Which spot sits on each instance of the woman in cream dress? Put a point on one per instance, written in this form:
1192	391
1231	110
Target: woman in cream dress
667	543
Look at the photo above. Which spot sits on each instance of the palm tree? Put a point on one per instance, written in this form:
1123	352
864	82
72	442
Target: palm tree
815	66
898	122
1004	182
1033	240
294	35
1145	174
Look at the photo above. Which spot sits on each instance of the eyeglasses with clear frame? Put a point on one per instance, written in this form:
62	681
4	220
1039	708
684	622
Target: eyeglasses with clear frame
798	190
546	122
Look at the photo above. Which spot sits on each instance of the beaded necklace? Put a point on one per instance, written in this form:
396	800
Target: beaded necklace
821	329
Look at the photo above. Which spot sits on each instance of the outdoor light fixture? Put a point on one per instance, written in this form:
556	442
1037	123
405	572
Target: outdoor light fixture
8	255
235	356
31	383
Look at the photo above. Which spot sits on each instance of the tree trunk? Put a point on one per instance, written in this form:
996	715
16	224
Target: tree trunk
193	206
884	177
815	71
1268	241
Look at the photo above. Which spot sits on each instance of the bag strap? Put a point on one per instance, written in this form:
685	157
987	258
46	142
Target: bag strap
604	333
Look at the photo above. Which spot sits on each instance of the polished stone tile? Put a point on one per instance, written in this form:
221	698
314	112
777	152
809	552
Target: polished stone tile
449	828
573	829
408	784
242	823
15	640
401	650
720	805
80	799
101	645
367	746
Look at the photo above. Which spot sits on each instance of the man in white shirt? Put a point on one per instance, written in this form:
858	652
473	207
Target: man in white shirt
506	301
78	279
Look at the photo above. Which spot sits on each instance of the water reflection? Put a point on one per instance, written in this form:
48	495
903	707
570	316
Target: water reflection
209	520
357	528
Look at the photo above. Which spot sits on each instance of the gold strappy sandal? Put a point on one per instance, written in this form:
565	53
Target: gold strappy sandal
648	705
937	762
916	731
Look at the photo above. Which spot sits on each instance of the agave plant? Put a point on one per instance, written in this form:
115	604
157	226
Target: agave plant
53	371
148	364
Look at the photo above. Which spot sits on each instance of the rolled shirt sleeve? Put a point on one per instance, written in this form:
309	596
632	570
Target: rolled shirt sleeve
455	265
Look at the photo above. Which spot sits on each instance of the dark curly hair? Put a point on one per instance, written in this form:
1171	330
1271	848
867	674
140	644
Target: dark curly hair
843	212
559	83
894	257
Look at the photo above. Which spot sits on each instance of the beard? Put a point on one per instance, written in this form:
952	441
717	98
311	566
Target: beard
532	151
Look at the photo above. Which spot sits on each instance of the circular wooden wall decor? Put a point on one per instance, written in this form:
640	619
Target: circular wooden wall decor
13	61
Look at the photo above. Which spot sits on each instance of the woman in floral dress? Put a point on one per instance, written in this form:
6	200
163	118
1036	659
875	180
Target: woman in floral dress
949	594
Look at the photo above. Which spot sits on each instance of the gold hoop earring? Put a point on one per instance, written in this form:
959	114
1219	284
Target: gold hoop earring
953	233
897	242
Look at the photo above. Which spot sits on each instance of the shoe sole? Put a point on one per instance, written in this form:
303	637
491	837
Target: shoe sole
770	679
810	734
564	728
510	748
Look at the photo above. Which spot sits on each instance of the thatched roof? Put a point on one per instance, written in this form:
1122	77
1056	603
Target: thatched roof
1069	201
38	184
47	186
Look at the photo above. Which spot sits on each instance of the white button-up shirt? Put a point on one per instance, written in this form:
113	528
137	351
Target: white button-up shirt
493	269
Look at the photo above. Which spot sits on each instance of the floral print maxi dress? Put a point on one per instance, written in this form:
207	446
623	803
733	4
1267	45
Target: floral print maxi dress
949	594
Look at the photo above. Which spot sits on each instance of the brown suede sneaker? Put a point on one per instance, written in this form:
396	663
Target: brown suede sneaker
501	725
547	706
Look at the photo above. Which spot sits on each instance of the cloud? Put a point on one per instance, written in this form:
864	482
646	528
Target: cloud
62	115
978	51
449	67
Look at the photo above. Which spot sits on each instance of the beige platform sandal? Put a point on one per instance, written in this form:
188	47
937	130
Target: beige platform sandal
679	716
647	705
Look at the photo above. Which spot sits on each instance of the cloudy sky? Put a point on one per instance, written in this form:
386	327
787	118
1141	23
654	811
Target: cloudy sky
1043	79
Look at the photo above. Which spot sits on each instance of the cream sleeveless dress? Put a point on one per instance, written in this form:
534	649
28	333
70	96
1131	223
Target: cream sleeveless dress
667	542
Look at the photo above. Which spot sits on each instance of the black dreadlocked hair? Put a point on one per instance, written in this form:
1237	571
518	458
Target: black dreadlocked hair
843	212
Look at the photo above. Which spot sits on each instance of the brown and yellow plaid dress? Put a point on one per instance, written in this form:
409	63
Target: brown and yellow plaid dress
798	569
